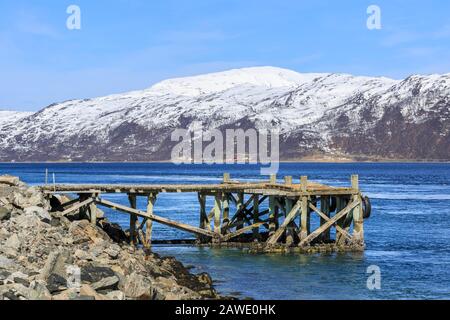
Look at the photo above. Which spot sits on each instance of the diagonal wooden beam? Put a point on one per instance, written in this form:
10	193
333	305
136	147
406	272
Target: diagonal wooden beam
76	207
328	224
326	218
242	208
165	221
243	230
70	202
291	216
233	198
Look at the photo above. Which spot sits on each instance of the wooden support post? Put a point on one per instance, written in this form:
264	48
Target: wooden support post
289	229
273	179
203	216
325	208
217	212
358	225
226	213
273	215
256	235
81	207
346	222
93	212
133	219
239	207
149	224
340	204
288	180
304	218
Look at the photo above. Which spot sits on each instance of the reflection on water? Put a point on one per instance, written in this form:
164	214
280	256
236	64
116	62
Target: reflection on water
408	235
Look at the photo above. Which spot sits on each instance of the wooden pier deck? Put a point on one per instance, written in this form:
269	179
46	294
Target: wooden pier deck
259	213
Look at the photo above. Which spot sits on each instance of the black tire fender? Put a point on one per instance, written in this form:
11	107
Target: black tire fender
367	207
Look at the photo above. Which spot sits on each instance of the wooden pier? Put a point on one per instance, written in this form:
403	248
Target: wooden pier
267	215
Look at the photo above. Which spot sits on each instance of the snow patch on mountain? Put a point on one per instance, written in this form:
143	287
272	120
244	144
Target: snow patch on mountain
266	77
316	108
12	116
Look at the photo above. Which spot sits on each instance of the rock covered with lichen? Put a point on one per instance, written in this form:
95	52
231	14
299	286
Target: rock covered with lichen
46	256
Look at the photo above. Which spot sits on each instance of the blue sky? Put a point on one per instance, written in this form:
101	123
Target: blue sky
130	44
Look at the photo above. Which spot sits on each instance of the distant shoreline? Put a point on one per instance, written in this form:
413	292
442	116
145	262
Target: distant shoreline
281	161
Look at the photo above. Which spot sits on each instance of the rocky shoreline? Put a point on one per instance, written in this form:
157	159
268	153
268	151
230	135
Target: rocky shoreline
44	256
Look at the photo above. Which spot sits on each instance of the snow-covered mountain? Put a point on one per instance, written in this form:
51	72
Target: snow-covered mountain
318	114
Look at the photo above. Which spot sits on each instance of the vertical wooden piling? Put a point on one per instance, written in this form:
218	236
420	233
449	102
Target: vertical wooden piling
239	205
289	229
226	205
93	212
217	212
149	224
273	179
358	230
82	212
226	212
273	215
325	209
133	219
256	234
203	216
304	217
340	204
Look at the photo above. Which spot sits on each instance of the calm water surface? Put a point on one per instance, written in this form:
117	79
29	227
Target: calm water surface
408	235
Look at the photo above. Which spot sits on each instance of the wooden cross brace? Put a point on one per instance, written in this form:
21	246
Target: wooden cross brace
327	219
291	216
328	224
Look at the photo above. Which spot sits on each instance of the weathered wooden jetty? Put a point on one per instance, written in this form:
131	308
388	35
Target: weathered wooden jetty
265	216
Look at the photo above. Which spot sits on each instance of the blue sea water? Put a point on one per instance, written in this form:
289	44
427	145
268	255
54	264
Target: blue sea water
407	236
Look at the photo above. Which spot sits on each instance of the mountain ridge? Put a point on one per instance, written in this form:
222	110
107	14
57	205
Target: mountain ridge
328	114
